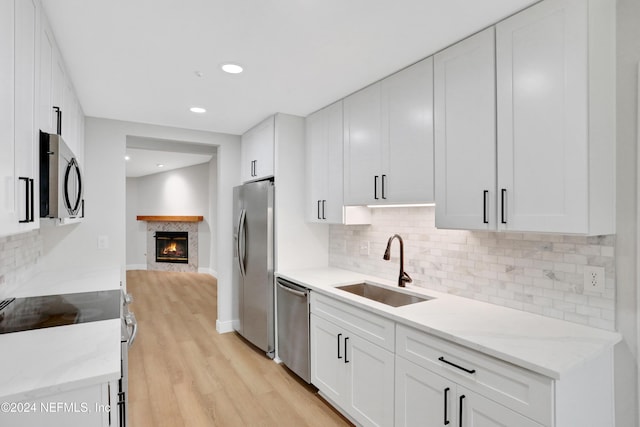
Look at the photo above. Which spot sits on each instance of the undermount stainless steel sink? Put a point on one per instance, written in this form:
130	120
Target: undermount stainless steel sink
384	295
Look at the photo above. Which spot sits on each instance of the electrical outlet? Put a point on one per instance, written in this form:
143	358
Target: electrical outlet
364	248
594	279
103	242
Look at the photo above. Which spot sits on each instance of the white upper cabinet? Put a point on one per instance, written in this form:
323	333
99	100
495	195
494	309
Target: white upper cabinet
554	144
324	168
407	134
556	118
388	139
8	213
59	109
18	141
362	147
465	134
257	151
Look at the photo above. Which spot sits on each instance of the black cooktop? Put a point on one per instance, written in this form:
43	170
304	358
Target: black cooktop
23	314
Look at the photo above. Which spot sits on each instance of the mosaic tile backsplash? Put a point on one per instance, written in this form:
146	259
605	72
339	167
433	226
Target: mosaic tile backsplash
538	273
19	255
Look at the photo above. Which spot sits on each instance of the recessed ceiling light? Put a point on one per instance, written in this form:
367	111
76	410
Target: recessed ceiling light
232	68
127	158
198	110
160	165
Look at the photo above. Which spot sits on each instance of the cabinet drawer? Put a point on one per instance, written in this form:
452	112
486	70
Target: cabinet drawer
374	328
524	391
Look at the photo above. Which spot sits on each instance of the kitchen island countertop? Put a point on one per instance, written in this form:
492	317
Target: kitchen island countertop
42	362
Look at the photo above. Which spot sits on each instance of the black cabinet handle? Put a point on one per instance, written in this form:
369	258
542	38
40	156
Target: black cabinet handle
58	120
26	200
375	187
460	414
384	179
323	213
468	371
446	417
503	194
346	360
339	357
485	193
31	214
319	209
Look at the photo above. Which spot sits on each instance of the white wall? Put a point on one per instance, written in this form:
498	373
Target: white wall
183	191
136	230
626	353
105	198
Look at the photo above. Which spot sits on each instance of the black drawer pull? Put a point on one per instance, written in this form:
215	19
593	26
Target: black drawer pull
468	371
339	357
460	414
323	213
319	210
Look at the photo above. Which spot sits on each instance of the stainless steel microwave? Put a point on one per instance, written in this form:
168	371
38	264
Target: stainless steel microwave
61	186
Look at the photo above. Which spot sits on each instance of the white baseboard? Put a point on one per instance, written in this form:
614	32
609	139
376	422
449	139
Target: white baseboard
136	267
209	271
224	327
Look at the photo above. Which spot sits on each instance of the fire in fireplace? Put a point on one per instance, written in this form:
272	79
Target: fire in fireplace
172	246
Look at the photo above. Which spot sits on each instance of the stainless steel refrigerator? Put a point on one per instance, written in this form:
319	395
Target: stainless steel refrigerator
253	250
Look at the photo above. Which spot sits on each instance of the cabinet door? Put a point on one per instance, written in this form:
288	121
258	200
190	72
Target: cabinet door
478	411
371	377
8	214
407	134
257	151
422	397
334	191
542	96
26	128
362	147
465	135
91	406
316	145
328	367
46	116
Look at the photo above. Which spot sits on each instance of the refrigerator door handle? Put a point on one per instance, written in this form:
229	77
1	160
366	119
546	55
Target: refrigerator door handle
241	242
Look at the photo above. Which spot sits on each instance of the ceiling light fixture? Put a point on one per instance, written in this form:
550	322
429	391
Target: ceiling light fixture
232	68
198	110
127	158
160	165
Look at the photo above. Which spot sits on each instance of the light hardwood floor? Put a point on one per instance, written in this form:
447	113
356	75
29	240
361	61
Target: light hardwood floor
183	373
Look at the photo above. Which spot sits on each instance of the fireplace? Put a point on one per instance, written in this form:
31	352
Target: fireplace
172	246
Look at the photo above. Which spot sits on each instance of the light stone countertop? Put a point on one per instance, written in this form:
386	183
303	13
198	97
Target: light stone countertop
541	344
43	362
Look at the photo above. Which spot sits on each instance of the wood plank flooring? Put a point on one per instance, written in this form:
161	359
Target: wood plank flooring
183	373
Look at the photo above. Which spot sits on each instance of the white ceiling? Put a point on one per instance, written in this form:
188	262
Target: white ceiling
136	60
143	162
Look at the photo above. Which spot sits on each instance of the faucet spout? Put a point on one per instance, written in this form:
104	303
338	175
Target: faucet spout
403	277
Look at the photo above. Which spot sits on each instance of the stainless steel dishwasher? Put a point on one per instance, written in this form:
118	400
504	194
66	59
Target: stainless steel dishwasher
293	327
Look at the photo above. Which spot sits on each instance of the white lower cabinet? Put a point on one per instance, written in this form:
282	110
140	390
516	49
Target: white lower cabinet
353	373
424	398
89	406
382	373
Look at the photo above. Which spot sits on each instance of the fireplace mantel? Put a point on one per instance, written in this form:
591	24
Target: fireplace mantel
161	218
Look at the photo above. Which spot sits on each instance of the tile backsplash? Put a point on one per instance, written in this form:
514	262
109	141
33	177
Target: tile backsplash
19	255
538	273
